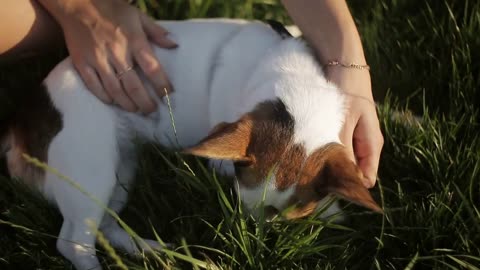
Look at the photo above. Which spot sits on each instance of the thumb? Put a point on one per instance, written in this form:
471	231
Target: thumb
346	137
368	164
368	144
156	33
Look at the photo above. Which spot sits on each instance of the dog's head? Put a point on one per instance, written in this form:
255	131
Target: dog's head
273	169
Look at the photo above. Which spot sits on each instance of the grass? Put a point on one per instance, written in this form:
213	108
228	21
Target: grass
425	59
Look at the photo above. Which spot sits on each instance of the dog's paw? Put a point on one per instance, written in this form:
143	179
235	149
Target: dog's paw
147	246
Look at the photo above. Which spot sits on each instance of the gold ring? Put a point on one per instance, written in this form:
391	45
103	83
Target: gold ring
121	73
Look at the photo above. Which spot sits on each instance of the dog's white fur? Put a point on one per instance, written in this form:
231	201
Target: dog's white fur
221	70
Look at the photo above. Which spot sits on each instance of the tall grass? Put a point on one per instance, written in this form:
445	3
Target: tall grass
425	59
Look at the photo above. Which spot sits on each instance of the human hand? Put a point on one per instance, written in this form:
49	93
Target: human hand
105	40
361	132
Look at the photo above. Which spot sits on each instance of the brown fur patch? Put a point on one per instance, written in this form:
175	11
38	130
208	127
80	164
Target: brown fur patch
226	141
271	136
340	176
329	171
30	131
255	142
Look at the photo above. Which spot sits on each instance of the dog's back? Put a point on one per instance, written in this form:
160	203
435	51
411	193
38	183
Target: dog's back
209	71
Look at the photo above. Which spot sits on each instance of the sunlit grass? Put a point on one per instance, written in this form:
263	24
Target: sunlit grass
424	54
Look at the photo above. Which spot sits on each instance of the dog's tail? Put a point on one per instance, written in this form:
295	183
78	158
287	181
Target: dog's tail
4	140
7	115
27	127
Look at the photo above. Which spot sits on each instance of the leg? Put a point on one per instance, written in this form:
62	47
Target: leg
75	244
81	219
116	235
26	27
94	172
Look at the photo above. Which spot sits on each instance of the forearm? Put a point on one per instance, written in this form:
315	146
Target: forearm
331	31
329	28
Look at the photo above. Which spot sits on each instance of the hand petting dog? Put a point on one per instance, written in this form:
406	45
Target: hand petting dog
106	39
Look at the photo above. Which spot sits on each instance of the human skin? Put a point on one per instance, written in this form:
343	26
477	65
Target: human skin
103	43
104	38
26	28
330	29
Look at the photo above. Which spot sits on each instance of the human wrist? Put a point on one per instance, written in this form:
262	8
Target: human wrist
56	8
353	82
345	47
63	10
352	65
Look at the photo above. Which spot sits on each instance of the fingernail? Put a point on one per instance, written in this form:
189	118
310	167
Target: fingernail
368	182
145	113
107	100
172	44
166	90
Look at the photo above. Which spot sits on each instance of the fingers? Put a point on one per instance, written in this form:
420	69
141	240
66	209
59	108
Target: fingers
156	33
154	71
90	77
368	144
112	85
134	89
121	84
369	163
363	139
146	58
132	85
104	53
346	136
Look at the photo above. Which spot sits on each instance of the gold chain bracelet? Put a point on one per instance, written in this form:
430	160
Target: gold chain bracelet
351	65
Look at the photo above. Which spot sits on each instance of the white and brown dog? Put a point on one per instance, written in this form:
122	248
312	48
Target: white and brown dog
243	94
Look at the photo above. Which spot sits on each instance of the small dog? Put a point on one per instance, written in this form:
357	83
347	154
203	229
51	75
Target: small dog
243	94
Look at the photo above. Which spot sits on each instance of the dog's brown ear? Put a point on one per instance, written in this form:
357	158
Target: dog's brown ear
341	177
227	141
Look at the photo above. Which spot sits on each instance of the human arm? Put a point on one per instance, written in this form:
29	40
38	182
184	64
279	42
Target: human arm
26	29
330	29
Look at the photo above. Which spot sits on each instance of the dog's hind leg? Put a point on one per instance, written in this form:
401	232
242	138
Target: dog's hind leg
83	202
117	236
